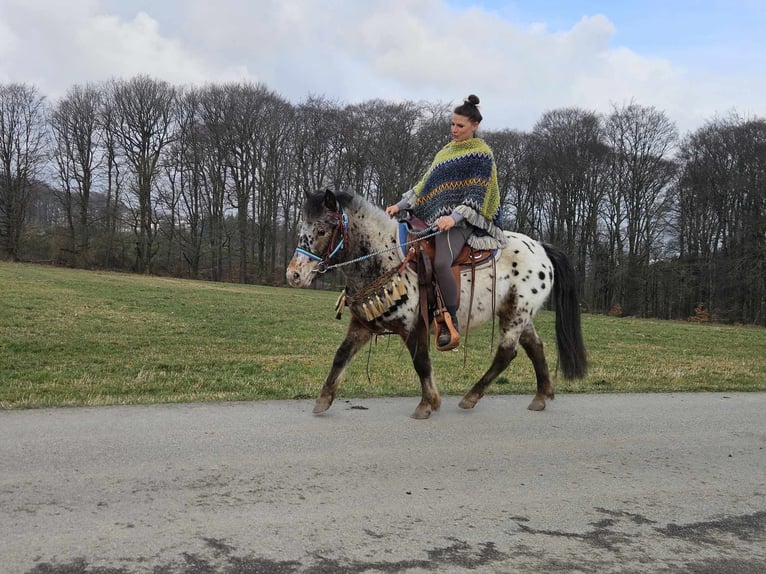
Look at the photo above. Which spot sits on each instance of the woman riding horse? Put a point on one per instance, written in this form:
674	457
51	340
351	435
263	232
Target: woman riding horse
458	195
347	232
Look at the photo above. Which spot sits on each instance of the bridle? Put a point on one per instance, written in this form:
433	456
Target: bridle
338	242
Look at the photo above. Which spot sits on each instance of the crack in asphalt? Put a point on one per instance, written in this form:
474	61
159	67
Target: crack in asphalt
604	536
748	527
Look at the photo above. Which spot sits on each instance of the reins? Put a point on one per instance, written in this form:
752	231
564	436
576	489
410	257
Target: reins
333	249
324	267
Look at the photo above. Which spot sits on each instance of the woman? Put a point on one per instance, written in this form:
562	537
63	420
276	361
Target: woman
459	196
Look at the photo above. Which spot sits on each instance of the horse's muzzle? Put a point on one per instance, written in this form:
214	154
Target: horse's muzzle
300	273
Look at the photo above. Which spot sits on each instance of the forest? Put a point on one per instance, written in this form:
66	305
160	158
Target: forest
206	182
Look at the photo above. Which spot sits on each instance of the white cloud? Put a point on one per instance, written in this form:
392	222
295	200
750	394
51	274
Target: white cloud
114	47
71	42
350	51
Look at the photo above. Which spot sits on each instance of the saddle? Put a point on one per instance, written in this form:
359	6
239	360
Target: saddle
431	303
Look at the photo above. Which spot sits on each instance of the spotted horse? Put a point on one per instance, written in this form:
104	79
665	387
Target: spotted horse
348	232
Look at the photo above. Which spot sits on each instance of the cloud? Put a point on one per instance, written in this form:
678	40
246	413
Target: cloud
67	43
352	51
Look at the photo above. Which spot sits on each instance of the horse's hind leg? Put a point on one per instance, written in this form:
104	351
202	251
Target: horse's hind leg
533	346
356	337
417	344
503	357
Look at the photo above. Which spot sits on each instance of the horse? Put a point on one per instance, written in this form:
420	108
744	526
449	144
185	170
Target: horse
346	231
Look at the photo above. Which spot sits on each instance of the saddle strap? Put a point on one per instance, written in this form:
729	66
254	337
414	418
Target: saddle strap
470	311
425	278
470	306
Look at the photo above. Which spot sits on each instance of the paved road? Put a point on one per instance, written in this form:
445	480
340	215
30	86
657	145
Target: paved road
597	483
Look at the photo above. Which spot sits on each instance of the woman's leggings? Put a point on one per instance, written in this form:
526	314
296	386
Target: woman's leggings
447	247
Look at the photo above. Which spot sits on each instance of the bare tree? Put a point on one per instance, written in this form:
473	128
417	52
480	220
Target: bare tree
144	126
721	218
571	156
22	153
315	149
356	131
213	141
259	122
114	175
214	177
185	172
642	140
518	174
272	178
76	152
404	138
313	154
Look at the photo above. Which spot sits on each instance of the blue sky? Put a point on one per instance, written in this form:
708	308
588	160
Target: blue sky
653	27
724	38
692	60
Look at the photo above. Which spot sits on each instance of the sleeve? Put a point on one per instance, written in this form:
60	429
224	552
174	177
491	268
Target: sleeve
406	201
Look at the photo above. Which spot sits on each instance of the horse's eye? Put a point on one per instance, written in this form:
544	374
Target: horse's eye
321	233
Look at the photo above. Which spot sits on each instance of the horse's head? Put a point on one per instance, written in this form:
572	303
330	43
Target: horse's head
321	238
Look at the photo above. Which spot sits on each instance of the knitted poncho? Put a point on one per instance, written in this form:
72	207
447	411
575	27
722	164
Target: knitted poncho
463	179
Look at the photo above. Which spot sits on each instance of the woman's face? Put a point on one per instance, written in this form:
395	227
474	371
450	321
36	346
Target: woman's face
462	128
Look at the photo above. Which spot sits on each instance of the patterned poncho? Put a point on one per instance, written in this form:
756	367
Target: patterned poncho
463	179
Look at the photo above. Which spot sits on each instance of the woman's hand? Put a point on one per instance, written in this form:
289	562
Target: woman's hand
445	223
392	210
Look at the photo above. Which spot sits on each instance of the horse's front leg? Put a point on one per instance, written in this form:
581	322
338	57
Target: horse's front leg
356	337
511	327
417	344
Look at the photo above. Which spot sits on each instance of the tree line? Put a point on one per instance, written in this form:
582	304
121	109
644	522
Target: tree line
206	183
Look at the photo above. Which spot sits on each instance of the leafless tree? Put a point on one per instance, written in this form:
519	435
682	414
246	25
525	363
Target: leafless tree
519	175
721	218
642	141
23	150
114	174
182	200
144	126
271	159
570	154
313	156
75	123
212	142
402	143
214	178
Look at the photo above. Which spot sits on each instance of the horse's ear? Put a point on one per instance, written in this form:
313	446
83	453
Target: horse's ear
330	201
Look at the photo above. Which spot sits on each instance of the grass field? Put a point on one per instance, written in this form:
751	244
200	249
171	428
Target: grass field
71	337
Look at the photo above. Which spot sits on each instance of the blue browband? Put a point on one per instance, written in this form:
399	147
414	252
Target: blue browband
308	254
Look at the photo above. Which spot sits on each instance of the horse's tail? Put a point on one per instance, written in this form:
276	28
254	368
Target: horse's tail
573	359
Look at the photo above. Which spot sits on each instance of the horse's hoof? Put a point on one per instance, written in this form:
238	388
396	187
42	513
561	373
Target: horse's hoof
321	406
537	405
421	414
468	403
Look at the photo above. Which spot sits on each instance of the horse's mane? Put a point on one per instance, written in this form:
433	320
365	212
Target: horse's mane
314	206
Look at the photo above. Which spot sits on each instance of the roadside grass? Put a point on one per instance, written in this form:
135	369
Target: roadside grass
74	338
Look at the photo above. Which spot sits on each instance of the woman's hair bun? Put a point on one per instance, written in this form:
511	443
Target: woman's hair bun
469	108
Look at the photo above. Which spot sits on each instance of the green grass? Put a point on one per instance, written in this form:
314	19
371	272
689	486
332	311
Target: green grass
70	337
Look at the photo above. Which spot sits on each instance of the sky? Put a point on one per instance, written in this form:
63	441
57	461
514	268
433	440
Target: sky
693	60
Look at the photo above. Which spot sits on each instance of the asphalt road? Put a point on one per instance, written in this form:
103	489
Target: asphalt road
596	483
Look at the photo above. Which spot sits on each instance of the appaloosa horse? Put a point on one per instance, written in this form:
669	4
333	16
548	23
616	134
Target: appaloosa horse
346	231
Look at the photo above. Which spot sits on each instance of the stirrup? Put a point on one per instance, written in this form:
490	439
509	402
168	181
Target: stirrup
454	340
